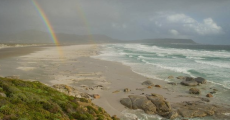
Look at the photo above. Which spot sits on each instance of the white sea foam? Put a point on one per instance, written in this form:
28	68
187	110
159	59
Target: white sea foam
220	64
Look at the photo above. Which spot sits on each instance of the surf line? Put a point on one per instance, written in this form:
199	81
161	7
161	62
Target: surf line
48	26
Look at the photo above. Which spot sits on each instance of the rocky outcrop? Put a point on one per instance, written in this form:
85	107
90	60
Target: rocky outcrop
147	82
194	91
151	104
156	104
199	109
190	81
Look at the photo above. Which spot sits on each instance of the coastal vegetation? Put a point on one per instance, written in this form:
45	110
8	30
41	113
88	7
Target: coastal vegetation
35	101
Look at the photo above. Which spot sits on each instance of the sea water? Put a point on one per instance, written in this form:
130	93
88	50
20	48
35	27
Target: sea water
159	61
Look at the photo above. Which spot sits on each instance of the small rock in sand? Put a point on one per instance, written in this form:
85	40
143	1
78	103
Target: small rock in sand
149	87
157	86
96	96
127	90
209	95
117	91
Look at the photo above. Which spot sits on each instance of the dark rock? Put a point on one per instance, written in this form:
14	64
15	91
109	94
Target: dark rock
200	80
157	86
189	81
213	92
194	91
147	82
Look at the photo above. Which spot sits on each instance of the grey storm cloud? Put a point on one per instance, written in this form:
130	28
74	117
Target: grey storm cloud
200	20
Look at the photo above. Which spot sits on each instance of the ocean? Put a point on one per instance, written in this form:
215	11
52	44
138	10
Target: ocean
159	61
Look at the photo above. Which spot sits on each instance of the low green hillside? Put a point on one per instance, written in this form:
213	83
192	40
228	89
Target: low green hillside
26	100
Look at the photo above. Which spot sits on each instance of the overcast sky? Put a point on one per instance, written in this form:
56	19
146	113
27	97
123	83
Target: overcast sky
205	21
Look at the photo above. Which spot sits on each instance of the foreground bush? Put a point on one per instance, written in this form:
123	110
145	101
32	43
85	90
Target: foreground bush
35	101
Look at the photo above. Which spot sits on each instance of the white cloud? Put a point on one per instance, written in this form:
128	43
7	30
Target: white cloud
174	32
186	24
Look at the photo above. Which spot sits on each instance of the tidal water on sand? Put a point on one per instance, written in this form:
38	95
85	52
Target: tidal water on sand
211	62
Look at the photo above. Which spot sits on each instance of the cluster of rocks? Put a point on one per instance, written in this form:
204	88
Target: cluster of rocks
74	92
190	81
156	104
149	84
93	88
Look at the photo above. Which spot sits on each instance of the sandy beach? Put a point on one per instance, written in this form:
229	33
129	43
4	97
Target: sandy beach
76	67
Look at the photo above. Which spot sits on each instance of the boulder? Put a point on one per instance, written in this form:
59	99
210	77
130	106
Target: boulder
189	81
147	82
209	95
163	107
151	104
194	91
200	80
139	102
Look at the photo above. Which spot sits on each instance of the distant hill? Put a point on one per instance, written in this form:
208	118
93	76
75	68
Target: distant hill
166	41
63	38
39	37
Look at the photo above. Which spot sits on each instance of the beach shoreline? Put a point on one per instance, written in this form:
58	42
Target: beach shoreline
77	68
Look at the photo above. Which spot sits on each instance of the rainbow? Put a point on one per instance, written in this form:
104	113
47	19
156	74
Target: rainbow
48	25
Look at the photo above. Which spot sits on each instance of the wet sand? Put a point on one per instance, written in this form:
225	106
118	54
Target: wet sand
17	51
